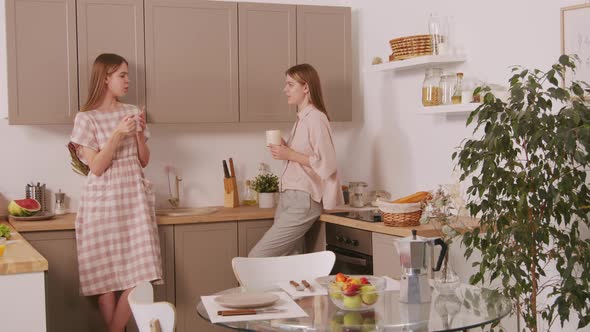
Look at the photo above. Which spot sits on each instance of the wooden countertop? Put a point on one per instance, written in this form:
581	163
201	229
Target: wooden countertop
242	213
20	256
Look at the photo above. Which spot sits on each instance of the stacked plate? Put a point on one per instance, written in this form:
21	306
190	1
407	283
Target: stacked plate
410	46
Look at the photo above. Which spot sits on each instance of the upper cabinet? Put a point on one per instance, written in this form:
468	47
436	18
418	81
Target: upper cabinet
191	61
42	65
268	47
323	41
106	26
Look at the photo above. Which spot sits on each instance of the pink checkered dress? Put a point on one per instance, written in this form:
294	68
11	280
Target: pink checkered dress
116	229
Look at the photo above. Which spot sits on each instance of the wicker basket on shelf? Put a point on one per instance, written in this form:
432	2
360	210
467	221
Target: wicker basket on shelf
400	214
410	47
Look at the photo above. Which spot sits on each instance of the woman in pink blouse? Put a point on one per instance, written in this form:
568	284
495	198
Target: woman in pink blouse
309	180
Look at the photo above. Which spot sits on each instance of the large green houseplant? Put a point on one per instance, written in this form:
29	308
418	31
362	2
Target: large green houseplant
527	164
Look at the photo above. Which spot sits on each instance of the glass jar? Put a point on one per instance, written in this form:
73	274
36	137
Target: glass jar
457	96
249	197
358	194
430	87
447	88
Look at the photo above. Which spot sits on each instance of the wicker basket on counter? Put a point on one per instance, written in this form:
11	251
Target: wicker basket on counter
410	47
400	214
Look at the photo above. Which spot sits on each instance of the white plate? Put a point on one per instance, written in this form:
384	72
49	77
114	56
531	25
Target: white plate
39	216
247	300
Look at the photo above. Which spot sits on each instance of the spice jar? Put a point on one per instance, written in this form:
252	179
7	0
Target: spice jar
457	96
447	88
358	194
430	87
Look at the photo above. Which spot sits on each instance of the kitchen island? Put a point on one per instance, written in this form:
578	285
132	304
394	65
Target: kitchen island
22	280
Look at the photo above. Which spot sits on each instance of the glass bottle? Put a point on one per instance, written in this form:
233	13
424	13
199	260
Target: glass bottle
447	88
456	99
430	87
249	197
434	29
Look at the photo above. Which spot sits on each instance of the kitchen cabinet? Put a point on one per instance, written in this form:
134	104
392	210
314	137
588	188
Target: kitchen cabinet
106	26
41	61
191	61
267	46
67	310
250	232
385	256
203	254
165	292
323	41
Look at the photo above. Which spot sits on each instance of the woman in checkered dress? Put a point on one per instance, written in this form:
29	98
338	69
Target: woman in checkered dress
116	230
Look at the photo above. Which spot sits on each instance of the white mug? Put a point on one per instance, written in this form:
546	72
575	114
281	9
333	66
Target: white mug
273	137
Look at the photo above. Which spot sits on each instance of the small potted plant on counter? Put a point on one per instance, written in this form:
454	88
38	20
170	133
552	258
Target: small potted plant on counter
266	185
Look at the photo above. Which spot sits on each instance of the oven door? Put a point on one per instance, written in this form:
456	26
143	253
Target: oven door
351	262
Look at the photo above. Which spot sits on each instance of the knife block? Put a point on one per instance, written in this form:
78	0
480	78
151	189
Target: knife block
230	193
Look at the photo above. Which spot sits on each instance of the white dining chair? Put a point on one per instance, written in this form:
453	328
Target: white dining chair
260	273
151	316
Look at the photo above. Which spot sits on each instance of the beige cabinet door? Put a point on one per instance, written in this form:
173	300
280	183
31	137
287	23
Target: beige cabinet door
166	291
107	26
67	310
250	233
267	49
203	254
385	256
323	41
191	61
41	55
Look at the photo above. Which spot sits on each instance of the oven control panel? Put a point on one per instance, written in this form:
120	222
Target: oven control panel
349	238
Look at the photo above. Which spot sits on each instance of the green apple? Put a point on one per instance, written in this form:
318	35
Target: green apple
369	294
335	292
352	302
368	325
353	318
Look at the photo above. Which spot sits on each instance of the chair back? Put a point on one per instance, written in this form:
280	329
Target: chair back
261	273
150	316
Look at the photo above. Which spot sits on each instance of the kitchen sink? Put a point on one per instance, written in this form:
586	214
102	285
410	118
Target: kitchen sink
186	211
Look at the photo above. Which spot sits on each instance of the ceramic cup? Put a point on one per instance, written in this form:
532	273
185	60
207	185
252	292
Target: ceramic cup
273	137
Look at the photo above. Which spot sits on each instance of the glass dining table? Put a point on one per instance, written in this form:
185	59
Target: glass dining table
458	309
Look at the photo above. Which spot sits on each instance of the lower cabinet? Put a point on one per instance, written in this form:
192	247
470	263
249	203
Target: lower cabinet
250	232
66	309
203	254
385	256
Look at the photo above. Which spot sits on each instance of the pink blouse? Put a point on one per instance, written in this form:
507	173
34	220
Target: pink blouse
311	135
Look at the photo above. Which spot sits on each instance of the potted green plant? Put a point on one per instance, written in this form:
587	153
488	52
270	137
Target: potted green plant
266	185
527	165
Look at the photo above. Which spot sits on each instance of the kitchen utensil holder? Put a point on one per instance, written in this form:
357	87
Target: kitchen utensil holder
37	192
230	197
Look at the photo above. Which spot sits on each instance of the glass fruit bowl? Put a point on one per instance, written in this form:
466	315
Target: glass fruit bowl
354	292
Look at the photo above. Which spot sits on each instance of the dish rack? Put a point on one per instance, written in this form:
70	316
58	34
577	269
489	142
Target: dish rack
410	46
400	214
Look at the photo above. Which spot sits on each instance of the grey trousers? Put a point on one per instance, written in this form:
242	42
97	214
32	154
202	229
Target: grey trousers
295	214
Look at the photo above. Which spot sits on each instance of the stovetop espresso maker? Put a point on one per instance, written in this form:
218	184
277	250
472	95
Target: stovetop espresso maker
413	254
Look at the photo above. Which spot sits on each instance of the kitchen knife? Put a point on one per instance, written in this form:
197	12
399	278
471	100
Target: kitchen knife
238	312
225	171
232	172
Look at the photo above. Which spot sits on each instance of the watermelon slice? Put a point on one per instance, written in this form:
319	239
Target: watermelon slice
24	207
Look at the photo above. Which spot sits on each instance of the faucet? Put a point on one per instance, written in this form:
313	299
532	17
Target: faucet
175	201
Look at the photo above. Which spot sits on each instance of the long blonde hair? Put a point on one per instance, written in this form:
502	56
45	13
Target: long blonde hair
306	74
104	65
